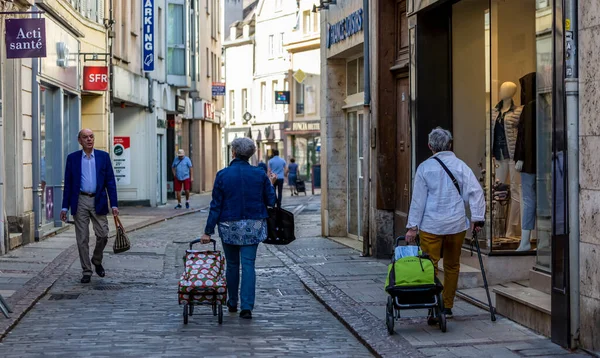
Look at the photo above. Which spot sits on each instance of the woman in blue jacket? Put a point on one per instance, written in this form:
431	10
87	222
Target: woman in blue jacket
240	197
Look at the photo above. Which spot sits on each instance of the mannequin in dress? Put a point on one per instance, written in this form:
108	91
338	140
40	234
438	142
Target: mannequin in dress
506	116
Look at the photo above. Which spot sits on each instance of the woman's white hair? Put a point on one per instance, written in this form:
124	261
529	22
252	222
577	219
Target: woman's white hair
440	140
243	147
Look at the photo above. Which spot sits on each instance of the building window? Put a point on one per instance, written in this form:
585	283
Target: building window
176	40
274	88
278	5
160	34
355	76
207	63
286	87
316	27
281	44
306	22
232	106
299	98
193	57
244	101
271	46
263	96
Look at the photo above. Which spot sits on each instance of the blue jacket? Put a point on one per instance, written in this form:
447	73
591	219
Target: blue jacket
106	186
241	191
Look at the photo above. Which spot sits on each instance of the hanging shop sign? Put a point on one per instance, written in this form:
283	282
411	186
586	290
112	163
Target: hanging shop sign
148	35
345	28
282	97
25	38
95	78
218	89
122	160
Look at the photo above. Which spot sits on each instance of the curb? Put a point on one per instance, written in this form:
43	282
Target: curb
368	329
23	300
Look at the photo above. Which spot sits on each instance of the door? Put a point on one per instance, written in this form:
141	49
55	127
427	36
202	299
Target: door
355	175
403	184
159	169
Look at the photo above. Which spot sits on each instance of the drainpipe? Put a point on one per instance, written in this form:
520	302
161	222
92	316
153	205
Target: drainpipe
367	128
572	112
3	240
35	146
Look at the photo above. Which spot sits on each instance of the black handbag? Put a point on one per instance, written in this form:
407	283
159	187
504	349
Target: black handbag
280	227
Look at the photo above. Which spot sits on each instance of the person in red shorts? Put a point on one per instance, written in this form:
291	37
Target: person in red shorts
183	176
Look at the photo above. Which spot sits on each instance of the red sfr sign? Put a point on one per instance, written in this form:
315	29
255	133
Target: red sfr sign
95	78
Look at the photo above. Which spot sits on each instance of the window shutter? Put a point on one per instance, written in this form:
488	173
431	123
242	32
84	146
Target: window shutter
83	8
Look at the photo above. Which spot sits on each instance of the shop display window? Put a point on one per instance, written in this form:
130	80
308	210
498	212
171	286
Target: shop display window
502	80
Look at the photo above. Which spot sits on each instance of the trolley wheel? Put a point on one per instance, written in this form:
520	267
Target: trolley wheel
220	313
433	316
185	313
389	315
442	319
190	309
214	308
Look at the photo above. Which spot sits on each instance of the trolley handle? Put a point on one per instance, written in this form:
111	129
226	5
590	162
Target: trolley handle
417	241
199	239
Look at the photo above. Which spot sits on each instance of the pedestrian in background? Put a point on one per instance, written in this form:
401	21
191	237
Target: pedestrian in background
240	197
262	165
183	176
443	184
89	184
291	173
277	166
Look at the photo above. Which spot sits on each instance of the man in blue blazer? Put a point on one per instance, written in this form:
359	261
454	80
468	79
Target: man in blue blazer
89	184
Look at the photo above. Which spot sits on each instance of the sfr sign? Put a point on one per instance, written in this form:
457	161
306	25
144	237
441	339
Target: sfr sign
95	78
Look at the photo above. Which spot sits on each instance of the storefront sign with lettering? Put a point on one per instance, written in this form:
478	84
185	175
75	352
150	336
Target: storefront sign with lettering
345	28
25	38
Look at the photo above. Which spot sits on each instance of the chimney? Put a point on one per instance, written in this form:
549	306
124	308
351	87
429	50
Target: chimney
246	31
233	32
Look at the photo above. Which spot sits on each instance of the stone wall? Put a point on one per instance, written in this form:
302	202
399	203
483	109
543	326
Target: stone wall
589	181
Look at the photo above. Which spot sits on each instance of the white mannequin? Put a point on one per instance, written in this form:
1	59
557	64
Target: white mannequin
506	171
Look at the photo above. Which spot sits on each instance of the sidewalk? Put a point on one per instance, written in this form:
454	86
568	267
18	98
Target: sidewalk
351	287
27	272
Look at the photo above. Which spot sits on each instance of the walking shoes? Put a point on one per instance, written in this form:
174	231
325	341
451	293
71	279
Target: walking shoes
100	270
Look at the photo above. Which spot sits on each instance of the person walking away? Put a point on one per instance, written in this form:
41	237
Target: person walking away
443	184
89	185
292	175
277	166
240	197
262	165
183	176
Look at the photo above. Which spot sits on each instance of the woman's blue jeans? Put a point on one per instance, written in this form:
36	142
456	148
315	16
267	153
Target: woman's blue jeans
246	254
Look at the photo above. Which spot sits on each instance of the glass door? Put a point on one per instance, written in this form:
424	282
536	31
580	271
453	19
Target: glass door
355	177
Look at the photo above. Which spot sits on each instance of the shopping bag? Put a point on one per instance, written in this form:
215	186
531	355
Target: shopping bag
121	243
280	227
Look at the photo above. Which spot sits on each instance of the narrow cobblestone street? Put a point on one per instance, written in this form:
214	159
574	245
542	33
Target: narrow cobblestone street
304	293
133	311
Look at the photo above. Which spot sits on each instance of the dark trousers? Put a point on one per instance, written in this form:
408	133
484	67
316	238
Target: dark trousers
279	190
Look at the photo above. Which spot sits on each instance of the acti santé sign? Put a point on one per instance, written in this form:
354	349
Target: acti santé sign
25	38
95	78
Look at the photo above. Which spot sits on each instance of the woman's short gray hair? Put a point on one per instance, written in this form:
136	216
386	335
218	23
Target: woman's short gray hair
244	147
440	140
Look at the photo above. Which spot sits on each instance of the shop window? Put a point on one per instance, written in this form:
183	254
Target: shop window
299	98
176	40
502	102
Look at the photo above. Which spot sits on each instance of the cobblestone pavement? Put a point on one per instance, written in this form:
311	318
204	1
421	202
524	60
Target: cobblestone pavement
352	287
27	272
133	311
